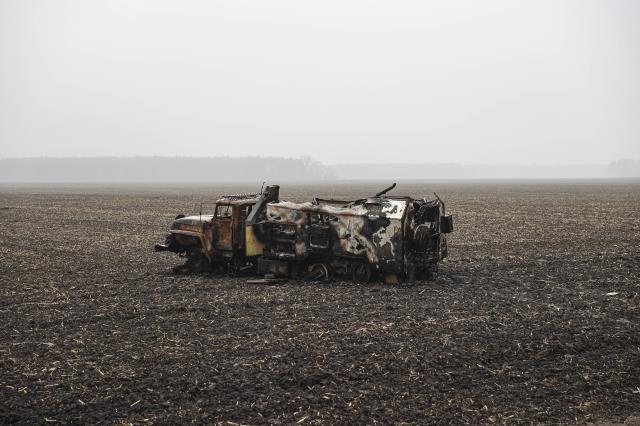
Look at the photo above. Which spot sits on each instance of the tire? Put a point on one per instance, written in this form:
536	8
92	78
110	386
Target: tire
361	272
319	272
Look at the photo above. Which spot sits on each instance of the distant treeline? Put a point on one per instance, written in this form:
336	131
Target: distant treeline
477	171
625	168
277	169
162	169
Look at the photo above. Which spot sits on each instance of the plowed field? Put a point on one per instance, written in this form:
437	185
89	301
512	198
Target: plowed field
535	316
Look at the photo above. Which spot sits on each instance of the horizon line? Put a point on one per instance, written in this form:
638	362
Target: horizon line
302	158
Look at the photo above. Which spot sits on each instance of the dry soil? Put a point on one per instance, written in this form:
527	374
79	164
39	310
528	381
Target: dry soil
535	317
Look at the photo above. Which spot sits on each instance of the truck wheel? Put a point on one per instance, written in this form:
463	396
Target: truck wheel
361	272
319	272
198	263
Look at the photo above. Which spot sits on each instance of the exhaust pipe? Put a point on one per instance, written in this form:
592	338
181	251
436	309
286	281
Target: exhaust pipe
384	191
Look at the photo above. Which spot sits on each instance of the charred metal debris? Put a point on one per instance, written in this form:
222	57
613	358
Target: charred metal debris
393	238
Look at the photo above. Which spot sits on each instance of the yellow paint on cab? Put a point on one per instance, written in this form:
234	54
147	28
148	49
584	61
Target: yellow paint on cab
253	246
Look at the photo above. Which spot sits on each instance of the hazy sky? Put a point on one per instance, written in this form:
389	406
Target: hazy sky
342	81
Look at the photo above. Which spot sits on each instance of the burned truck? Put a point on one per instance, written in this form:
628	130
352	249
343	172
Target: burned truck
224	241
393	238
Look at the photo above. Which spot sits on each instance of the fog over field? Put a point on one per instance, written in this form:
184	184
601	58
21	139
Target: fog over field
493	82
146	278
277	169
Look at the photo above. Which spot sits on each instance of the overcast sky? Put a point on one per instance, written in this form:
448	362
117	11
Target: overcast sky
341	81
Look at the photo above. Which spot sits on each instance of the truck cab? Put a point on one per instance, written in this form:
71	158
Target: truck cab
223	237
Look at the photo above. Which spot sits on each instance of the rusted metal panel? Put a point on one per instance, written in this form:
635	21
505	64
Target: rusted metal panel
223	236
